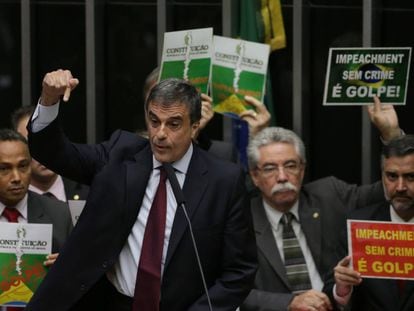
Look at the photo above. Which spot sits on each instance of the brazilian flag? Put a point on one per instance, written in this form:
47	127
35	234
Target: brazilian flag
259	21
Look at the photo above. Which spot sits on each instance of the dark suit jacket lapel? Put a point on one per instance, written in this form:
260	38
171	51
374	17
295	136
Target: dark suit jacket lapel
195	184
137	175
407	302
35	211
265	240
383	213
310	222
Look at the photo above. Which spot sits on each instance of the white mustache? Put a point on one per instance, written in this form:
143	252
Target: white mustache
283	187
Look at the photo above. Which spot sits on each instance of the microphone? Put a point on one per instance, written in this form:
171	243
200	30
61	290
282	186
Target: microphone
179	197
178	193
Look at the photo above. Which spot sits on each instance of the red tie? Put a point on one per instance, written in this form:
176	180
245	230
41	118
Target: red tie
148	282
11	214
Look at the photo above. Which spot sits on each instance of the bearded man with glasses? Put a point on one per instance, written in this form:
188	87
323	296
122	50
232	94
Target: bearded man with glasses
297	226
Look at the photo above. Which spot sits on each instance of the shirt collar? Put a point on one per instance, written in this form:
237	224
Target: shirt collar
274	216
396	218
57	189
180	165
21	206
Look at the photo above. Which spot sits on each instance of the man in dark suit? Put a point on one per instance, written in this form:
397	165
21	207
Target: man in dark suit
45	181
277	163
397	164
14	194
123	172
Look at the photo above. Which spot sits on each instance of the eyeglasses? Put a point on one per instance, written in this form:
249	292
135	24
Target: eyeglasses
290	168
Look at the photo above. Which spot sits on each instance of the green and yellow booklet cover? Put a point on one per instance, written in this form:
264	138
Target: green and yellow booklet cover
355	75
239	68
23	248
186	54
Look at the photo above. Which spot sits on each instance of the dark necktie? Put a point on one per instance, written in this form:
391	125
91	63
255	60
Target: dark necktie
401	287
11	214
50	195
148	282
295	264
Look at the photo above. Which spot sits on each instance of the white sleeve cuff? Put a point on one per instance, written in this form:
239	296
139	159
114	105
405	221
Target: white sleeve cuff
386	142
43	116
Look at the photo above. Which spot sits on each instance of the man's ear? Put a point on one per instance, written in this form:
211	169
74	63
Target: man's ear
253	175
195	129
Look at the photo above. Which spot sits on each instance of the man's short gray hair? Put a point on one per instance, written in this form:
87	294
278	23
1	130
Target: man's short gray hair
272	135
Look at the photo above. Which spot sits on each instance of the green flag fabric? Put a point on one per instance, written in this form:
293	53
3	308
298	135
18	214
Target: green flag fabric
262	21
259	21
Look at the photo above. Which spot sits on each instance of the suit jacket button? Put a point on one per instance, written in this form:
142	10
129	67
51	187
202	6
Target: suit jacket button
83	287
104	265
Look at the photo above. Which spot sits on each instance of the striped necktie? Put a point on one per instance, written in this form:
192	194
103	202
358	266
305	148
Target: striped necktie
295	264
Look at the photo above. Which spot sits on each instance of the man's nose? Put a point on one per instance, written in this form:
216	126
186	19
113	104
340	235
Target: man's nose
16	176
161	133
281	175
401	184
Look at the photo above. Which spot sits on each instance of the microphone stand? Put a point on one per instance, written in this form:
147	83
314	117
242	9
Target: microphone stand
179	197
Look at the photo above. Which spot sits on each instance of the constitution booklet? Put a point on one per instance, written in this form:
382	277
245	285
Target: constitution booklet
23	249
186	54
239	68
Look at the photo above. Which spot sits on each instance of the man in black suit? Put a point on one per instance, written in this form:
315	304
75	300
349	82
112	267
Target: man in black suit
397	163
277	163
45	181
123	173
14	181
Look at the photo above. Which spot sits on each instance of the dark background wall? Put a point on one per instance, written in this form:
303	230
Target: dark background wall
128	52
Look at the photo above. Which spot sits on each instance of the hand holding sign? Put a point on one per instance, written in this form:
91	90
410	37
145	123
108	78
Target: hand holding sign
384	117
345	277
50	259
259	118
